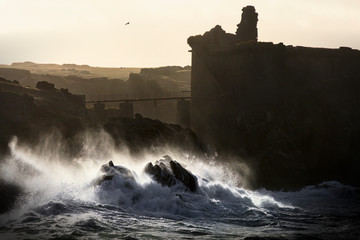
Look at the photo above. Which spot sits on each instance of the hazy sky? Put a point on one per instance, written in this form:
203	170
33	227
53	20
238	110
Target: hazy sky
93	31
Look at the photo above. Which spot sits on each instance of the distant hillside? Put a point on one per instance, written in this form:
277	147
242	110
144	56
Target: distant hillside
174	78
102	82
140	83
83	71
90	87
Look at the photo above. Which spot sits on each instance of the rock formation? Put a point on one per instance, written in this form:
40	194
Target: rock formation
45	85
165	171
9	192
141	134
168	173
109	171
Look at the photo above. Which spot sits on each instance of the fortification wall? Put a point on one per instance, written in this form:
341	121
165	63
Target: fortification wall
288	107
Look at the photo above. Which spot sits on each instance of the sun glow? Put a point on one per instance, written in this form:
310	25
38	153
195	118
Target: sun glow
94	32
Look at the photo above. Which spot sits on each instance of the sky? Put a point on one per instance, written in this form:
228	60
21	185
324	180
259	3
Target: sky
93	32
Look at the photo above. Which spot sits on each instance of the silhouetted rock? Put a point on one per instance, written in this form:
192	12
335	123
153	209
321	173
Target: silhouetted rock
138	116
141	134
29	113
183	175
109	171
168	173
161	173
45	85
8	194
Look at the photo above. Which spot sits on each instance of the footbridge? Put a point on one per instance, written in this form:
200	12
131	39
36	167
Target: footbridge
129	100
126	107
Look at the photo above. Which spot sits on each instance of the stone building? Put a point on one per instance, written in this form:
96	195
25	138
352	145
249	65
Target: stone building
286	107
247	28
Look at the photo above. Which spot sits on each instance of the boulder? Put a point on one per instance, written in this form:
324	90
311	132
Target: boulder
108	171
9	193
168	173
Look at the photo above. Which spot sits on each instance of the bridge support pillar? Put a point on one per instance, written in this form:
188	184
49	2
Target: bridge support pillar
183	113
99	109
127	109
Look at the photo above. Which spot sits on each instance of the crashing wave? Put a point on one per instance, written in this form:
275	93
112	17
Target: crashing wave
165	171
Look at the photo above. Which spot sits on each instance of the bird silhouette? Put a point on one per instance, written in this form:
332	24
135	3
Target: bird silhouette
127	23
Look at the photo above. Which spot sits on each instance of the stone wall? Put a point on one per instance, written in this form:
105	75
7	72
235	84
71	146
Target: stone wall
292	110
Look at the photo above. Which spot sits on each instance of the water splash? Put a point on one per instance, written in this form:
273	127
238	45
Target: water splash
60	200
47	174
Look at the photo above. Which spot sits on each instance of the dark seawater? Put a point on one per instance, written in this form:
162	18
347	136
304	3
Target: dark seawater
62	203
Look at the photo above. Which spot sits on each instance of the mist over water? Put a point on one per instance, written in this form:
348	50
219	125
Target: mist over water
60	199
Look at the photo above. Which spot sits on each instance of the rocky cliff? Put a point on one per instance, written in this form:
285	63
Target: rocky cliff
31	113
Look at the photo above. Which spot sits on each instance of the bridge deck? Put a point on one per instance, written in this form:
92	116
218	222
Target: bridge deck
138	99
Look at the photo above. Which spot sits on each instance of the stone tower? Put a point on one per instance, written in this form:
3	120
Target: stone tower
247	28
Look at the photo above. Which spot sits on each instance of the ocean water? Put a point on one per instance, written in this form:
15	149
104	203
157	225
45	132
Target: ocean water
61	201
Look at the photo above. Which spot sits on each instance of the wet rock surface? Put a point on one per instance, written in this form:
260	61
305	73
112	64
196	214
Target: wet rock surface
165	171
142	133
9	192
109	171
31	114
168	173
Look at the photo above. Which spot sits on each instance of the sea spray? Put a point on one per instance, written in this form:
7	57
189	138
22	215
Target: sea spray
46	174
60	199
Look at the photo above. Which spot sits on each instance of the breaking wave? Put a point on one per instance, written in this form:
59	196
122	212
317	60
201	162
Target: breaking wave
60	199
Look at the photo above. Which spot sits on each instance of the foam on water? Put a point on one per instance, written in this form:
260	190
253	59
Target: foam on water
60	198
47	176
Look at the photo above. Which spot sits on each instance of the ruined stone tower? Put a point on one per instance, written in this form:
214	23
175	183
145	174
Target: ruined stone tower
247	28
277	105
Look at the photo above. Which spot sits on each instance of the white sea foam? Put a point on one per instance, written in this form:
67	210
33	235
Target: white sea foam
47	175
60	198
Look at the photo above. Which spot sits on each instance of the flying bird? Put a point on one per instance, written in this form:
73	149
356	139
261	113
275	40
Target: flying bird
127	23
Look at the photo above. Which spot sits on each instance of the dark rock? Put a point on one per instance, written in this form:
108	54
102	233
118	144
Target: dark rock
138	116
161	173
108	171
9	192
183	175
30	114
45	85
141	134
168	173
